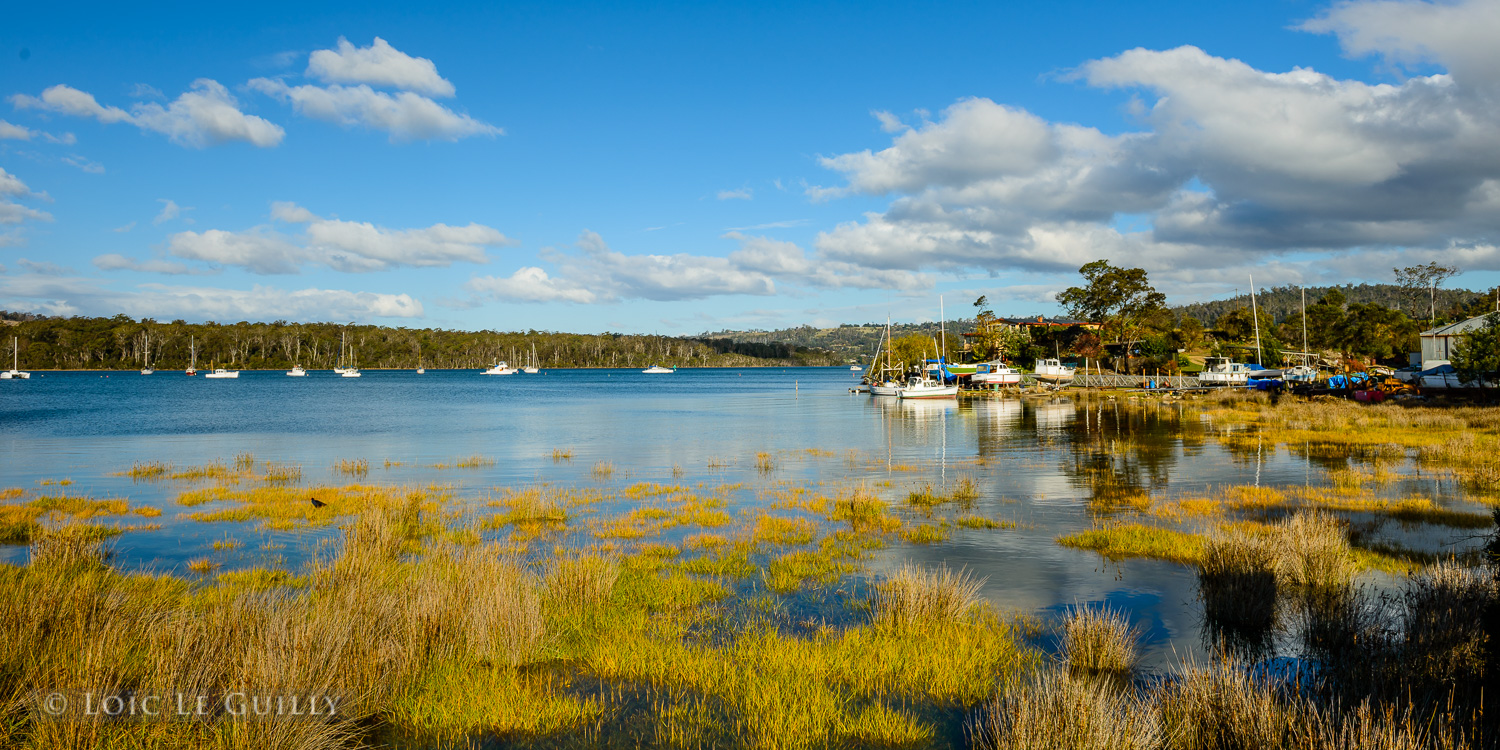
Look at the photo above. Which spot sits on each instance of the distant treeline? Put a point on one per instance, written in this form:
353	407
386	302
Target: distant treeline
81	343
1283	302
851	342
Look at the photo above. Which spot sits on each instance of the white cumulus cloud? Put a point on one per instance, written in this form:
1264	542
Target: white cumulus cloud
379	64
404	115
204	115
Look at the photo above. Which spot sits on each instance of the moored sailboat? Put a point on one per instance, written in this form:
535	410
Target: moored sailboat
14	373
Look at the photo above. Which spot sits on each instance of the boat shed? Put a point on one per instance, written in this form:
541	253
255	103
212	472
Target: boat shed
1438	343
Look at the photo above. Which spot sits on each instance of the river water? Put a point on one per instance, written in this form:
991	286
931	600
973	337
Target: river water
1036	461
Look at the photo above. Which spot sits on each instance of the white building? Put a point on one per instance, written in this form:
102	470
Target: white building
1438	343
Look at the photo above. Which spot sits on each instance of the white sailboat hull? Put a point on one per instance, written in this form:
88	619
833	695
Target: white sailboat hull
919	392
887	389
15	375
658	370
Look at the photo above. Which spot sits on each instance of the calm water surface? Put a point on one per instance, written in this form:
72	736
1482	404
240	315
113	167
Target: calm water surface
1038	461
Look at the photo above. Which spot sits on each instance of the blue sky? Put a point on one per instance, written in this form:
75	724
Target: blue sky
680	168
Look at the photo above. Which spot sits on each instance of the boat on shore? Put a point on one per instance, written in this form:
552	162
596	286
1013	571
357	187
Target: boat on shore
995	373
658	370
1224	371
1054	372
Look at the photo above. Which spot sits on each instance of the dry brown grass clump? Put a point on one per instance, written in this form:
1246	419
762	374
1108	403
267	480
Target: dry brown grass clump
1100	640
1061	711
69	547
582	582
1237	582
354	467
1314	550
914	595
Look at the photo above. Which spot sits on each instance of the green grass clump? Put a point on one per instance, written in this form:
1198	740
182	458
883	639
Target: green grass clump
1136	540
926	533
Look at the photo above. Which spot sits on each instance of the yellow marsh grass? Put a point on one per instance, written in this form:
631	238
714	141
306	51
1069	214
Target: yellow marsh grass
289	507
468	462
764	462
562	454
1100	640
980	522
783	531
926	533
11	493
603	470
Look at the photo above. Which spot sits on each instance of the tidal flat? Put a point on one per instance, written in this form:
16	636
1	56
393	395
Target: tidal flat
712	562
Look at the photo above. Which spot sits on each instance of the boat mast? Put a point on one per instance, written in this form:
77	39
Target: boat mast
1306	355
1254	314
943	331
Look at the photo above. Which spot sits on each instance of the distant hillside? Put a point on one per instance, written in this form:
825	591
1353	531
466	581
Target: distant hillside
1286	301
849	341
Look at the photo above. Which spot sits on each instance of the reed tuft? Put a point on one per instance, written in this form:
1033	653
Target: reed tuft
913	595
1100	640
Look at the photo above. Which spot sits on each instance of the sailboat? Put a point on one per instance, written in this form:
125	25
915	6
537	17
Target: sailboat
146	369
15	363
881	382
193	356
1305	372
420	369
339	368
352	371
532	369
1259	370
924	386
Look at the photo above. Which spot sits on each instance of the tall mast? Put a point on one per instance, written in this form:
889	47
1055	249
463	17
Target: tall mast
943	330
1305	354
1255	315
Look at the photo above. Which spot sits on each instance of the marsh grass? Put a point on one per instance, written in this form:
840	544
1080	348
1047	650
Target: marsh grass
926	495
353	467
467	462
560	455
1237	583
1118	541
1056	710
913	595
603	470
1100	640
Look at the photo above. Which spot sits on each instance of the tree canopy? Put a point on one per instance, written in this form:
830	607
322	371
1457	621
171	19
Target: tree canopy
1118	298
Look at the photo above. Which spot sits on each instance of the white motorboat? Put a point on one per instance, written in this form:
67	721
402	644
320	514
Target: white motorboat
531	368
1224	371
995	373
927	388
658	370
350	372
1053	371
297	372
886	388
501	368
856	368
1257	372
14	373
220	373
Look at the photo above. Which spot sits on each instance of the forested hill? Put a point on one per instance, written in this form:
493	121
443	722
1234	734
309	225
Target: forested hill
1286	301
849	342
121	343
